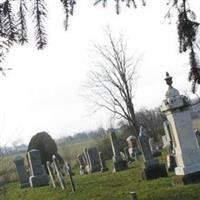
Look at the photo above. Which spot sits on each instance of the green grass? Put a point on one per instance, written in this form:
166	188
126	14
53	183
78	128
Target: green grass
109	186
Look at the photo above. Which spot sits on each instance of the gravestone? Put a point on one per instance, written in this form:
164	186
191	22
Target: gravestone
133	147
70	174
197	133
187	153
58	172
82	163
94	162
118	163
51	174
21	171
152	168
127	155
87	164
102	162
38	176
154	148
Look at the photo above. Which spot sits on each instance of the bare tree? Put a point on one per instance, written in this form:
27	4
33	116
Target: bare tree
153	120
112	81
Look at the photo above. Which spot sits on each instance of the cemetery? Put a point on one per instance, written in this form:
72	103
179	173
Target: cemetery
153	173
129	145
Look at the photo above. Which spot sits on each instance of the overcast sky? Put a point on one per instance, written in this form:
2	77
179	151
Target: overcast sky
42	92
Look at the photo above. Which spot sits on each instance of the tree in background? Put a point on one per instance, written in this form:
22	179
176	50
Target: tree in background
110	85
152	120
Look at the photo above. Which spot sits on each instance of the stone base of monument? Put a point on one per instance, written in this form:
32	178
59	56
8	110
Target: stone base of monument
187	179
120	165
171	162
154	172
24	185
38	181
157	153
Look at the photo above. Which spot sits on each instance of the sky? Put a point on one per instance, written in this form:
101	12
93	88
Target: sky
43	92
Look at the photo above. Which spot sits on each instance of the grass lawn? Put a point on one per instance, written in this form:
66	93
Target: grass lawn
109	186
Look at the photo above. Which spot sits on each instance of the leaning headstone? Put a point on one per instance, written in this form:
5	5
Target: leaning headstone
118	163
152	168
38	176
58	172
102	162
70	174
154	148
51	174
82	163
21	170
187	152
87	164
94	161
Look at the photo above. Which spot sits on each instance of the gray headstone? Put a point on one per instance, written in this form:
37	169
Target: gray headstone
146	150
102	162
115	147
94	161
21	170
154	147
87	166
152	167
38	175
118	163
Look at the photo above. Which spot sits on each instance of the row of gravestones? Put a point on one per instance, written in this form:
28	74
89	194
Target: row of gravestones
184	151
184	154
37	176
91	161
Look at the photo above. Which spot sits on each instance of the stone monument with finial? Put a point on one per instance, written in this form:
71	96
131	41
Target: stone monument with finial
187	153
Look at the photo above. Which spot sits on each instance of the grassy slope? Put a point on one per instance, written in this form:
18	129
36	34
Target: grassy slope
108	186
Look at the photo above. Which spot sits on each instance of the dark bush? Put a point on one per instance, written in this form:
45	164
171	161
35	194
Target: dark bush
46	145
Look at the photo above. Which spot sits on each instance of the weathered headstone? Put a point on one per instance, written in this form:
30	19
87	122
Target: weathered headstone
82	163
38	176
154	147
70	174
51	174
127	155
94	161
58	172
118	163
152	168
133	146
102	162
21	170
187	153
87	166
